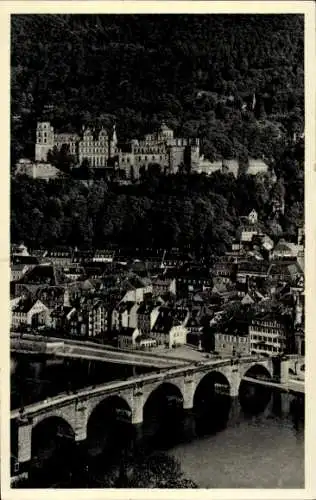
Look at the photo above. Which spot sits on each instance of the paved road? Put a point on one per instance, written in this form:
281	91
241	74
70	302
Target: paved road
91	351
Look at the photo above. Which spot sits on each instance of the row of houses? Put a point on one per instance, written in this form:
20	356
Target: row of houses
152	298
95	317
134	309
64	256
267	334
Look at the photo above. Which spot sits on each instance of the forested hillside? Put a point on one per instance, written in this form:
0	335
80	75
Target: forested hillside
194	71
162	211
235	82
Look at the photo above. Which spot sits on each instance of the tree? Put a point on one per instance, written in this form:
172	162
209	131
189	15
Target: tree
158	470
154	169
61	158
132	173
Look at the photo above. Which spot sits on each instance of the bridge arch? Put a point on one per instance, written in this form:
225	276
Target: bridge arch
97	401
212	402
213	377
109	427
257	370
109	407
54	416
52	449
254	398
212	382
172	387
163	390
162	414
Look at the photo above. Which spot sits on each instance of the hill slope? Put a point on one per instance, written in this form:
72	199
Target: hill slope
195	71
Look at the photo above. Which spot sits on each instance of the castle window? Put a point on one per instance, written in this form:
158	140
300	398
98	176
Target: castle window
39	139
127	159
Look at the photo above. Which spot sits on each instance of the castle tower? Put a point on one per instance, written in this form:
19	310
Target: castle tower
165	133
300	237
195	153
103	148
66	298
298	312
44	140
113	142
253	217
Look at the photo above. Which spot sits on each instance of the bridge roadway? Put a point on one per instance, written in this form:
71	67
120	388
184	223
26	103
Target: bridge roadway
120	385
31	344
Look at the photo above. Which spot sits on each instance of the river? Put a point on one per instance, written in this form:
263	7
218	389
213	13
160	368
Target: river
253	448
263	451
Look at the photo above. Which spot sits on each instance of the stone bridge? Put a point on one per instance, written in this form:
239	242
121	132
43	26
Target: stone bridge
76	409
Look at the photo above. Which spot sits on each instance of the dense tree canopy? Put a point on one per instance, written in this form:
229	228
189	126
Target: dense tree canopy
163	211
235	81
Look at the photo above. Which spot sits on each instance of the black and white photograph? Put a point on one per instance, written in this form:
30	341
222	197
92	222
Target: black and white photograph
157	249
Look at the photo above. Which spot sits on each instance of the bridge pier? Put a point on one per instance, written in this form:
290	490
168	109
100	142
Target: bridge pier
234	382
188	392
284	372
81	420
235	409
285	403
189	424
137	439
24	454
137	404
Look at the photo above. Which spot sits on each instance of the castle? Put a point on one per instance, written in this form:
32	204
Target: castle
98	147
160	148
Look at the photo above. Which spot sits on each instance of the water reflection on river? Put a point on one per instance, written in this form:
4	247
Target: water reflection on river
261	447
262	451
35	378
